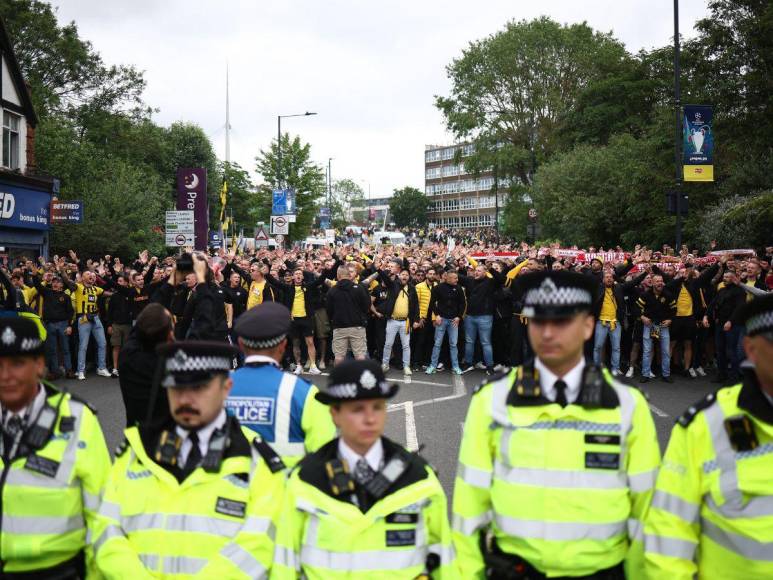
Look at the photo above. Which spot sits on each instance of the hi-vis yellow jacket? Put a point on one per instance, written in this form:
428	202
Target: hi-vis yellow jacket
566	489
712	512
51	495
212	525
322	536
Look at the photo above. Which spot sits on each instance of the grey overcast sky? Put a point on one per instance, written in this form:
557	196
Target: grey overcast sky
370	69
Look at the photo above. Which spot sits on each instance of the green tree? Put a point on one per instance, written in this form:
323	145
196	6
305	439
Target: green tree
65	73
408	207
243	199
510	91
736	221
346	197
299	173
608	195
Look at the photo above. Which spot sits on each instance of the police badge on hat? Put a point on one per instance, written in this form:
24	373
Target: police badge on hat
551	295
356	380
19	336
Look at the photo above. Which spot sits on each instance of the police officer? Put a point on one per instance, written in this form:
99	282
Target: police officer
362	506
279	406
558	459
712	512
54	464
194	494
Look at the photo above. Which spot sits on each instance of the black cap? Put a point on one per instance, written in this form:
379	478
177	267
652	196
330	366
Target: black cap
20	336
263	326
356	380
558	294
191	363
757	315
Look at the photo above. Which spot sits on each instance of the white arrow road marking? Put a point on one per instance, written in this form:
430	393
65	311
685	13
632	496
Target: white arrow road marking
658	412
459	391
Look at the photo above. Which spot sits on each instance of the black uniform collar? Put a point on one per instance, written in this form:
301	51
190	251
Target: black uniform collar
312	467
608	397
752	399
238	445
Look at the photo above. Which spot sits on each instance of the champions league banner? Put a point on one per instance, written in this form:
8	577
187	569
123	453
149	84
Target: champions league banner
698	143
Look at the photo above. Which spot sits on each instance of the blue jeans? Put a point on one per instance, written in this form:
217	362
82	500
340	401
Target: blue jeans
727	347
665	355
393	329
85	330
481	326
453	336
56	332
602	330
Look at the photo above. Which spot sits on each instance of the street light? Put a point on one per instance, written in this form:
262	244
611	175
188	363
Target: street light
279	144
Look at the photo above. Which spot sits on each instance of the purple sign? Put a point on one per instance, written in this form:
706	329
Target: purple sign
192	195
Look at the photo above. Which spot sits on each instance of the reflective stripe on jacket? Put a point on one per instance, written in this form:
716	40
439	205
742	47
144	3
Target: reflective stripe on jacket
712	512
281	408
51	495
321	536
217	525
564	488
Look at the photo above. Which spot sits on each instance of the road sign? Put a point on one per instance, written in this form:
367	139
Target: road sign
532	214
291	218
279	225
279	202
279	239
178	240
261	236
179	221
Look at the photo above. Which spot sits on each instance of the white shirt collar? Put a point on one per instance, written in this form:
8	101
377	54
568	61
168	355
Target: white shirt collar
260	358
205	434
573	380
374	456
34	408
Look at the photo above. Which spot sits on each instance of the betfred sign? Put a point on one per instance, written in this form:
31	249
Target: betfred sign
24	208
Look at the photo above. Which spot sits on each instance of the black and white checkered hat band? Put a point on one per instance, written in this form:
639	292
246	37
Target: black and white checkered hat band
349	390
762	322
28	344
261	344
552	296
189	364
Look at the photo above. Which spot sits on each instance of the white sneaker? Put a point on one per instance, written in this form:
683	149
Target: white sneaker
313	370
322	366
615	373
80	376
700	371
629	372
114	373
499	368
103	372
692	373
480	366
385	368
298	370
407	371
440	366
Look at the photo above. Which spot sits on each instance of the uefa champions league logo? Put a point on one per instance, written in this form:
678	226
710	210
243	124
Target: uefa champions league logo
697	136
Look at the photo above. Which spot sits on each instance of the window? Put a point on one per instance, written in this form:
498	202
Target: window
11	140
432	173
468	203
432	155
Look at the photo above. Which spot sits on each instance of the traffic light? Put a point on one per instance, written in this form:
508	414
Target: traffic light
671	203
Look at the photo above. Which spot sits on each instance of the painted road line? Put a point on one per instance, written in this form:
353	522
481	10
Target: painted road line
410	380
658	412
460	390
411	439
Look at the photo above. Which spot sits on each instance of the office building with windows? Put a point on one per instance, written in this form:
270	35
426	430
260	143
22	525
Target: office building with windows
459	199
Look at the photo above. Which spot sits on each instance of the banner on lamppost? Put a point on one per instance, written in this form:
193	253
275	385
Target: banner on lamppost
698	143
192	196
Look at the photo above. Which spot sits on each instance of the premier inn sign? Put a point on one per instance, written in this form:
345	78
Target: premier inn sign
192	196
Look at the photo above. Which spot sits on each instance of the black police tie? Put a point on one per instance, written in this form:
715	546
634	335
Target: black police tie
194	455
560	387
363	472
10	431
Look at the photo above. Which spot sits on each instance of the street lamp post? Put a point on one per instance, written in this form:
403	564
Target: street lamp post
279	144
329	182
677	133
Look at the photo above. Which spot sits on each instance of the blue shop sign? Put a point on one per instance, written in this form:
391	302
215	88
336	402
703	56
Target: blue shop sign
24	208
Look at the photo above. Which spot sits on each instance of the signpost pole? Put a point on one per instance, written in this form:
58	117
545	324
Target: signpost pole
677	133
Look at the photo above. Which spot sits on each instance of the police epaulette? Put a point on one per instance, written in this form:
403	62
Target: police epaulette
491	379
91	407
122	447
693	410
271	457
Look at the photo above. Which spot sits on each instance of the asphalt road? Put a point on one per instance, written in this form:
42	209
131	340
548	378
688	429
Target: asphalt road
428	411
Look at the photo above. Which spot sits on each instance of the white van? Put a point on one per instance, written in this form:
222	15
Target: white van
391	238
